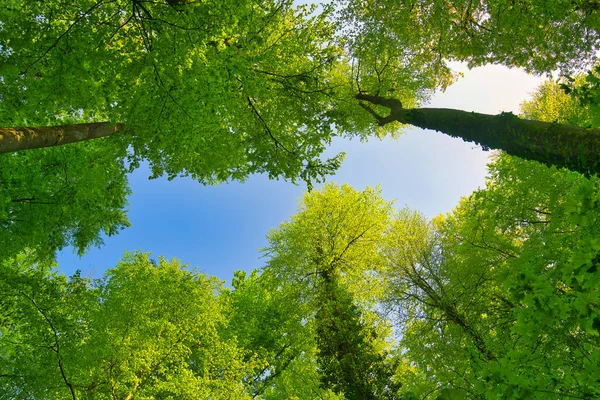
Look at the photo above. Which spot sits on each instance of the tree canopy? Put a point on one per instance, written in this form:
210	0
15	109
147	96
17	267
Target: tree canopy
502	296
153	329
497	299
537	35
203	89
221	91
149	329
215	91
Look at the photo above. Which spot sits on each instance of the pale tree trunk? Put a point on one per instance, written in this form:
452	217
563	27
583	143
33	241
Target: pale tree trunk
572	147
25	138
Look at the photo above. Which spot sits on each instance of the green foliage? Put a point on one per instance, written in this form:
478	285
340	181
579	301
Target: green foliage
506	295
266	319
538	35
309	315
328	255
147	330
585	90
52	198
348	357
498	299
214	90
452	394
336	230
551	103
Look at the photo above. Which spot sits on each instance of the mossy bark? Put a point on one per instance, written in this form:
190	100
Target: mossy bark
568	146
25	138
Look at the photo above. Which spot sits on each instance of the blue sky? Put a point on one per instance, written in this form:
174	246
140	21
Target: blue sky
219	229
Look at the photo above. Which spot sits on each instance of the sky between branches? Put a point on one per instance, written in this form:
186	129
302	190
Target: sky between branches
219	229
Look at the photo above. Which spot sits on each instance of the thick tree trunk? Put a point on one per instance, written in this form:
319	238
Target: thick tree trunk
568	146
25	138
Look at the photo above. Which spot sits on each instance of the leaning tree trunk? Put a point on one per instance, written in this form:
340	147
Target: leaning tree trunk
24	138
568	146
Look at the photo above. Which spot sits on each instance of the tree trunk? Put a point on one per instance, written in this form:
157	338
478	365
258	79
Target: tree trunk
568	146
25	138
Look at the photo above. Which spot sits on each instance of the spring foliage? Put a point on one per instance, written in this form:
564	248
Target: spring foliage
497	299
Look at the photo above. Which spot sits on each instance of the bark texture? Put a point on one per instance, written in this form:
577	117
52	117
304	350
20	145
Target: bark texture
25	138
568	146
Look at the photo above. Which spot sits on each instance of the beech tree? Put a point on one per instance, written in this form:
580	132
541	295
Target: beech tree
550	143
500	295
540	36
328	253
149	329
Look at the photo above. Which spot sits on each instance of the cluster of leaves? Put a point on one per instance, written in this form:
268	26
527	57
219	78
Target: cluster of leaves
267	320
51	198
537	35
554	101
155	329
498	298
214	90
147	330
585	90
503	300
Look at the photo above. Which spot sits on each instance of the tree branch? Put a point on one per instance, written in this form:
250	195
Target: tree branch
572	147
267	129
56	348
391	103
395	106
378	117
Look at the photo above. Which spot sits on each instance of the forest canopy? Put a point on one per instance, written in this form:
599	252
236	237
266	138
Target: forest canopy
357	299
222	90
